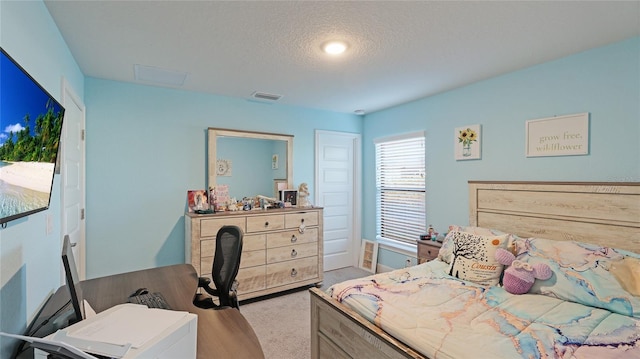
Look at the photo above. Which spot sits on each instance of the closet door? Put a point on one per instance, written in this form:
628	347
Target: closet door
337	189
72	169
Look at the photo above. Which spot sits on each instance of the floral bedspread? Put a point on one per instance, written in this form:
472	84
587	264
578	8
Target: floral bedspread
444	317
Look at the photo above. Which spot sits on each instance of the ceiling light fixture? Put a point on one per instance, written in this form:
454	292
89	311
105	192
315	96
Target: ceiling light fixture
334	47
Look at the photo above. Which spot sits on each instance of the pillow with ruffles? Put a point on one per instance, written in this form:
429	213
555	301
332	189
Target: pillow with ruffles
474	257
588	274
445	253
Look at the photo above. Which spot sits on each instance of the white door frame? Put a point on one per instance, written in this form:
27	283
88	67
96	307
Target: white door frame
69	95
357	186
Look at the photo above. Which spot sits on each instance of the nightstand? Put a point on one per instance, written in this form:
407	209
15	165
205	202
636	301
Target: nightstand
428	250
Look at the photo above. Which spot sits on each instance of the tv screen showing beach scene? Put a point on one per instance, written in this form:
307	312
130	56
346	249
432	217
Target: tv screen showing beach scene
30	130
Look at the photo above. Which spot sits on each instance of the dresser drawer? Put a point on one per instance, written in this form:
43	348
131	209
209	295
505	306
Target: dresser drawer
288	238
253	258
294	220
265	223
251	279
205	266
287	253
251	274
208	248
254	242
292	271
248	259
209	227
250	243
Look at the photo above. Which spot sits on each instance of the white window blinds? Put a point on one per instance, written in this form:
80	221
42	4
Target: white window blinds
400	187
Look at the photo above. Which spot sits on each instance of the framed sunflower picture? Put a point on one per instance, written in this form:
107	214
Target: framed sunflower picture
467	143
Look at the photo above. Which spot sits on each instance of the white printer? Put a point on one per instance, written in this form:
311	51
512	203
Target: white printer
128	331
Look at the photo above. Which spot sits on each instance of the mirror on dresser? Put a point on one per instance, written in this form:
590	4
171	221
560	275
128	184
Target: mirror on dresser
249	163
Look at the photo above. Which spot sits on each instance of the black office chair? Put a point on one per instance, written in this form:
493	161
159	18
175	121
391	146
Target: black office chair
226	262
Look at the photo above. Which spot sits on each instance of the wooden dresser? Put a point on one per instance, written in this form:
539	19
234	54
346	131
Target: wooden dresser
282	248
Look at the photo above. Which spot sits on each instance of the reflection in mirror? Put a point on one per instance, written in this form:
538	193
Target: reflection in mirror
249	162
250	166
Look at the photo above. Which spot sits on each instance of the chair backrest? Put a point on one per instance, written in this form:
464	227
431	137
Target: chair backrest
226	261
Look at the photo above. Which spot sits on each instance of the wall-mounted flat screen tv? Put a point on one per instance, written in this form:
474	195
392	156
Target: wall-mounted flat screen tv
30	130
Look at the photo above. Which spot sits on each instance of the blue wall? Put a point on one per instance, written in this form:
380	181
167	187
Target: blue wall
29	258
146	146
604	82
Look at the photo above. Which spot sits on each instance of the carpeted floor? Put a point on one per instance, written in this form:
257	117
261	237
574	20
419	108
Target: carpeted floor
283	322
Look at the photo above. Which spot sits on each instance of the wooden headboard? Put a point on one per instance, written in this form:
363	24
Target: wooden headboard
604	213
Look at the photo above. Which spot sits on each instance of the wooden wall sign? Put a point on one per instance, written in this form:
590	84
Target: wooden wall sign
558	136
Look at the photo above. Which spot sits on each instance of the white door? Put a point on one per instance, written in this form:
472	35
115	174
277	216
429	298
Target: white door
73	175
338	191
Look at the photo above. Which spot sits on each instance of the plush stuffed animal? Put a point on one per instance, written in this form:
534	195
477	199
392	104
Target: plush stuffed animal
519	277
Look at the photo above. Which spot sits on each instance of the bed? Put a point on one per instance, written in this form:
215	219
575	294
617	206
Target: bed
426	311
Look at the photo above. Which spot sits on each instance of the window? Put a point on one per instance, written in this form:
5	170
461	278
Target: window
400	187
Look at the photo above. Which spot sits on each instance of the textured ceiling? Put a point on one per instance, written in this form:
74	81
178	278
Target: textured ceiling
399	51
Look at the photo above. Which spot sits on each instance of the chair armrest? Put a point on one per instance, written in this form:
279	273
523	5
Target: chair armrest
203	281
212	291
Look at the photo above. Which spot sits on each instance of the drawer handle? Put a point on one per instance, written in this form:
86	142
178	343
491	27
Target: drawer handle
301	227
294	238
294	272
266	224
293	253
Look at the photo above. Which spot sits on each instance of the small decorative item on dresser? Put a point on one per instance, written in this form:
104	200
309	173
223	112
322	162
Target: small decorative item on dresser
432	233
303	195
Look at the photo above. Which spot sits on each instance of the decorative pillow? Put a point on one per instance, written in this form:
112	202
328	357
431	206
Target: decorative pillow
446	251
473	257
584	273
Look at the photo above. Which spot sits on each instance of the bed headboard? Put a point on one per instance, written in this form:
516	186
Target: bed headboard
604	213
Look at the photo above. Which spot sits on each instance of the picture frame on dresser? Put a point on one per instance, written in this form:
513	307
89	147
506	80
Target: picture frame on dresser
197	200
289	196
279	185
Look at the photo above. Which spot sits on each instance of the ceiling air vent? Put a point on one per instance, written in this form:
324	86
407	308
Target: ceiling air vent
159	76
265	96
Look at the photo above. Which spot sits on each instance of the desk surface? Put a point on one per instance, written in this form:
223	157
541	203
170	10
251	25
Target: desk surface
223	333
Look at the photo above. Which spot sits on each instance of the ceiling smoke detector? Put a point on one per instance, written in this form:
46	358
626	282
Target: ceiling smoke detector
265	96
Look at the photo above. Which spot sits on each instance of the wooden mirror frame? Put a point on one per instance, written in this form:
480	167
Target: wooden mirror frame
214	133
